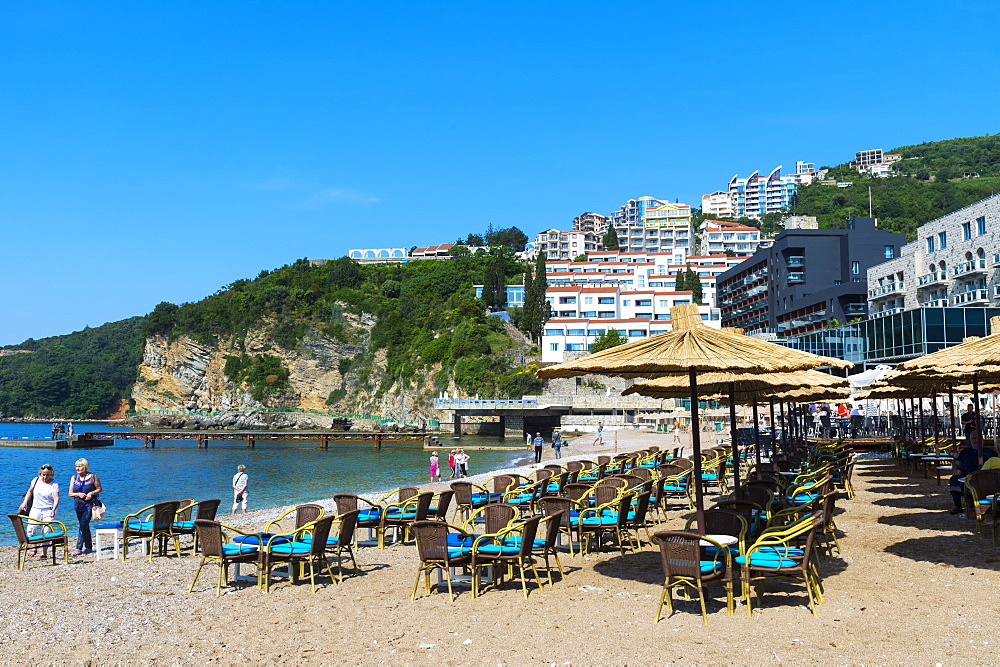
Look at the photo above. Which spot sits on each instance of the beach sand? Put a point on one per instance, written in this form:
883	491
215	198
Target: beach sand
913	584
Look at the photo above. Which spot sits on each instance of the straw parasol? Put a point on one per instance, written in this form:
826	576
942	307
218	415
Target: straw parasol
688	349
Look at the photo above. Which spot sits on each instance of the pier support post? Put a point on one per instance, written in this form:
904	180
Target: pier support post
378	441
251	443
201	442
324	441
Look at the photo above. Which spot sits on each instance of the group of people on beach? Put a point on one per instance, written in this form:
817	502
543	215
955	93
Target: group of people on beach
61	430
458	461
41	503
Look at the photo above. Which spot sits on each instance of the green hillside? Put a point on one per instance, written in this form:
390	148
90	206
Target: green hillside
932	179
82	374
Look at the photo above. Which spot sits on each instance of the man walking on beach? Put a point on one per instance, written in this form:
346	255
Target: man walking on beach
557	443
599	440
539	443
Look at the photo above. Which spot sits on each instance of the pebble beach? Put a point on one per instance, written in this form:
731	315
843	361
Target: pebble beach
912	583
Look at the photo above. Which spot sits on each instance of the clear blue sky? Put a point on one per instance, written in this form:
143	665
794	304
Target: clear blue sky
158	151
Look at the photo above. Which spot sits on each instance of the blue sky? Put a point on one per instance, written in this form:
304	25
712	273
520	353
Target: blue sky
158	151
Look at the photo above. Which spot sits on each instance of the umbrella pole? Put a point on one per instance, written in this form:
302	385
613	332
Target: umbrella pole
756	431
979	418
785	426
773	443
934	411
699	496
951	410
732	431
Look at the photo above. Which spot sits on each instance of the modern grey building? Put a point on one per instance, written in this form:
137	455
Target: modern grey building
806	280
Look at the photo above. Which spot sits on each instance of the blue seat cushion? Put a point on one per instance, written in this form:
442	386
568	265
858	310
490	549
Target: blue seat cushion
135	524
709	566
515	541
482	498
771	560
603	520
290	548
183	524
459	540
709	475
784	552
804	497
522	498
400	516
370	514
46	536
458	552
239	549
669	487
552	488
497	550
257	539
330	541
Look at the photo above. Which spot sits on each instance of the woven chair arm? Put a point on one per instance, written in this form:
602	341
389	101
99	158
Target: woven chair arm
232	529
187	507
277	522
720	551
39	522
138	514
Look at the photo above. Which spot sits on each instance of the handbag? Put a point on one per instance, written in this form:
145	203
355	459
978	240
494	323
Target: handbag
98	510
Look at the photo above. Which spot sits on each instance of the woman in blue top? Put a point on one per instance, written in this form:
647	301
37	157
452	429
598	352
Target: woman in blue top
84	487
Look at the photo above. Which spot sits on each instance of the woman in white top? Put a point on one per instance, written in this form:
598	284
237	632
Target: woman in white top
241	488
44	495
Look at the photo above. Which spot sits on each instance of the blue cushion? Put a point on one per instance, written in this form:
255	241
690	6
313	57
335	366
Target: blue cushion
459	552
330	541
766	560
523	498
400	516
551	488
183	524
486	497
370	514
709	566
497	550
257	539
107	526
135	524
46	536
238	549
709	475
668	487
515	541
290	548
804	498
459	540
603	520
789	552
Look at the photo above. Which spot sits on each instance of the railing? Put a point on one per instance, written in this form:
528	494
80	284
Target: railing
459	403
885	313
795	261
796	276
935	303
932	278
971	296
971	266
887	288
318	413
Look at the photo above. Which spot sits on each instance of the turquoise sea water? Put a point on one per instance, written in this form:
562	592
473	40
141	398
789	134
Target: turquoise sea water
281	473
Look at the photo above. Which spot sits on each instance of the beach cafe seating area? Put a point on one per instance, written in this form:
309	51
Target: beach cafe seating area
775	521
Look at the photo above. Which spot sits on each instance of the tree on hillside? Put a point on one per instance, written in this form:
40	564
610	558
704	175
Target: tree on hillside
610	239
511	237
495	279
688	280
474	240
536	307
611	338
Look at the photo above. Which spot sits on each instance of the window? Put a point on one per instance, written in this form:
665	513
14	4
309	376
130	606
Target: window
554	347
943	240
605	299
966	231
643	302
606	314
588	300
636	332
589	313
662	316
574	347
596	332
888	251
567	299
647	316
980	226
626	302
554	332
930	244
855	268
856	280
574	332
664	303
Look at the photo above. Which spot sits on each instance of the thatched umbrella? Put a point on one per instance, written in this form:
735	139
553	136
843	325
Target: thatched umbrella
688	349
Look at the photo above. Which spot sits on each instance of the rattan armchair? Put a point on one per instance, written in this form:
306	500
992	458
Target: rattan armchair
492	550
217	550
184	524
155	522
55	537
292	549
684	565
435	552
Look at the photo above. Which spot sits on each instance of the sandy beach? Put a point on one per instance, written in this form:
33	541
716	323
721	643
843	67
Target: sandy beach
913	584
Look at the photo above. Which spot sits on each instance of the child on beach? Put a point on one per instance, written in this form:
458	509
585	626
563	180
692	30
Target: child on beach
435	470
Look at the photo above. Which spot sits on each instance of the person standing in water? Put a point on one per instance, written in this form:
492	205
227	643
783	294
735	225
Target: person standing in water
241	486
435	469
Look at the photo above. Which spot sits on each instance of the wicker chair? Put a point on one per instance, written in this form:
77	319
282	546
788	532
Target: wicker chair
440	505
683	565
611	517
568	512
577	491
341	542
435	553
752	513
469	497
369	514
979	486
490	550
774	554
207	509
292	549
722	521
400	517
158	525
215	550
56	537
495	518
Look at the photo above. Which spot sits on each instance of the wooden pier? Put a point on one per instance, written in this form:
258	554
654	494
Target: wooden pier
251	438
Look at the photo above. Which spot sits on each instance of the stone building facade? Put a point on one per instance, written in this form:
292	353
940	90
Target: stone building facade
954	262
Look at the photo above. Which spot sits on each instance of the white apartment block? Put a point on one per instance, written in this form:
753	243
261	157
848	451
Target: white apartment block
719	236
874	162
955	261
717	203
555	244
647	224
756	195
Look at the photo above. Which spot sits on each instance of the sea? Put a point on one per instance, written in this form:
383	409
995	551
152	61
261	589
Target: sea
281	473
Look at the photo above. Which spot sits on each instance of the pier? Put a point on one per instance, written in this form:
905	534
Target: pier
72	442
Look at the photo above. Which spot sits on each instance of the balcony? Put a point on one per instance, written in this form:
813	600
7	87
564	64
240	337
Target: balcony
972	267
974	297
856	309
887	289
885	313
935	303
935	278
796	276
795	261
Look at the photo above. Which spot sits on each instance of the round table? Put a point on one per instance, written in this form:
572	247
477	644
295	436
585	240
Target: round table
724	540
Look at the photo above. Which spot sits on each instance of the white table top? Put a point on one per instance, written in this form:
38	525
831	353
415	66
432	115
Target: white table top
724	540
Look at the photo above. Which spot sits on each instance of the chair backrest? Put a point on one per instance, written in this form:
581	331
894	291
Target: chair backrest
528	531
501	483
207	509
423	505
554	467
443	503
346	502
680	553
463	493
542	473
643	473
575	466
623	509
18	524
321	534
432	540
983	483
603	460
576	491
348	524
552	523
405	493
606	493
720	521
498	516
184	509
551	506
163	515
307	514
210	538
641	507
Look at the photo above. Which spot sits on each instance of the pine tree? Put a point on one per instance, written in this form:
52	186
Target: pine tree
495	280
536	308
610	239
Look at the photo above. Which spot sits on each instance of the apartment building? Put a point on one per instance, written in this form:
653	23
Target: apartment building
555	244
718	204
591	222
654	225
807	279
953	262
719	237
874	162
